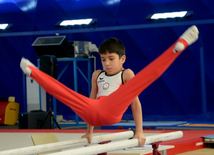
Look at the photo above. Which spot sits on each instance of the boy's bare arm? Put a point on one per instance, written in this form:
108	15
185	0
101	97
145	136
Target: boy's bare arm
93	95
89	133
136	110
137	114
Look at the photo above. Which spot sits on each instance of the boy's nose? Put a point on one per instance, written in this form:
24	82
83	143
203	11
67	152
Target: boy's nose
107	62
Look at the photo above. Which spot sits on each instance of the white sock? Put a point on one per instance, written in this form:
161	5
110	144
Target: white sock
24	66
190	36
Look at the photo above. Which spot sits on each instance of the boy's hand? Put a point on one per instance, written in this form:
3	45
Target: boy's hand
141	138
88	136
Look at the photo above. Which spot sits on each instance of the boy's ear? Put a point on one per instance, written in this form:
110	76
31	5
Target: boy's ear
123	58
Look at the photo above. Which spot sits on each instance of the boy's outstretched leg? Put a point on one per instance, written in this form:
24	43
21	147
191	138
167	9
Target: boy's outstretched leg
124	96
83	106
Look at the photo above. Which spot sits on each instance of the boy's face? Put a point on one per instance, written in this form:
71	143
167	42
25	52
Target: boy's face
111	62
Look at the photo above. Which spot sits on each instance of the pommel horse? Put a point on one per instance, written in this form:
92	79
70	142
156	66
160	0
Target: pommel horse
98	149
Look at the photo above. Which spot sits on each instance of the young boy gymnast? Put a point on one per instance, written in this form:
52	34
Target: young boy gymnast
104	82
107	104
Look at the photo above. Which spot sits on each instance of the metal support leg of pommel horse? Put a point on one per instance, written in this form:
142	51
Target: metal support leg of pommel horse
155	148
105	142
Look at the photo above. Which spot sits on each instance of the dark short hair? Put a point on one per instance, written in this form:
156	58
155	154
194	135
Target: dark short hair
112	45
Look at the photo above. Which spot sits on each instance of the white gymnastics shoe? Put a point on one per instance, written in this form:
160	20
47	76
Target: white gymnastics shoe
190	36
24	66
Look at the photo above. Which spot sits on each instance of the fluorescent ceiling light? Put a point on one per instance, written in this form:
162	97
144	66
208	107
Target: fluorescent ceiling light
75	22
70	23
169	15
6	26
3	26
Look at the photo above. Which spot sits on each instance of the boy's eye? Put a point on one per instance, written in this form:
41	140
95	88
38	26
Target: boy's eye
103	60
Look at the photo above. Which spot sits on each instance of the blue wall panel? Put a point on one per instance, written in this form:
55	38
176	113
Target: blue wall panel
176	95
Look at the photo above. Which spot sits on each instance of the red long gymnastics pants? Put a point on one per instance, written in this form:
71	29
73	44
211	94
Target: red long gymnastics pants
108	110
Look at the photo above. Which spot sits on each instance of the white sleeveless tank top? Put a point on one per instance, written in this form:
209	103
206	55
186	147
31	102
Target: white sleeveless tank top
108	84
